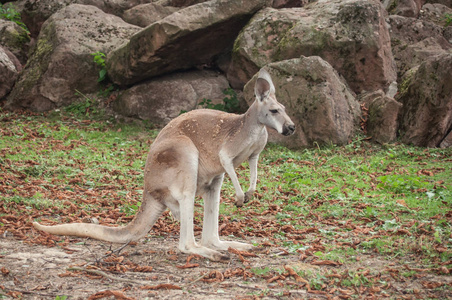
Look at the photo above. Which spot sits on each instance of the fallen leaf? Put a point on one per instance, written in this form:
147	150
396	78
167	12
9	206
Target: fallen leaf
163	286
326	263
117	294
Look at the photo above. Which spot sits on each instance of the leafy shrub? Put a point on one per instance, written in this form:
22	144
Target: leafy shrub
11	14
99	59
230	103
448	18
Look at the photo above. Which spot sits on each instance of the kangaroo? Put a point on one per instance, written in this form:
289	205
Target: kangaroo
188	158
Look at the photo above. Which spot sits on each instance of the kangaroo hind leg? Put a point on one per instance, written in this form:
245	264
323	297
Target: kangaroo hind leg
182	185
210	234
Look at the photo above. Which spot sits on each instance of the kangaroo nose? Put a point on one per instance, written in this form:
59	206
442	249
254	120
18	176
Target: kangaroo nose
288	130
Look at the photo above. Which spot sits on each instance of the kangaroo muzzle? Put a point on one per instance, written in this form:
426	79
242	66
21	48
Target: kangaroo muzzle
288	129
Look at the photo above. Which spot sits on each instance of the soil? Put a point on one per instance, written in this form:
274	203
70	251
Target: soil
153	268
40	272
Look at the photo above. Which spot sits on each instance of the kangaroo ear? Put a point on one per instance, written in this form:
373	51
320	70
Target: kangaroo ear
261	89
264	85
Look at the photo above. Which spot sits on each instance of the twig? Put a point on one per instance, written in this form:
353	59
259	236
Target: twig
114	251
304	292
106	275
28	293
196	280
97	260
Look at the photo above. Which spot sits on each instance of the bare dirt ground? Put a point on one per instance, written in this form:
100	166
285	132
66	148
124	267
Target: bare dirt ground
154	269
40	272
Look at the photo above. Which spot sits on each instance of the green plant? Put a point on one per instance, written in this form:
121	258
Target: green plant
230	103
130	209
61	297
84	107
448	19
207	103
99	59
260	271
401	183
108	87
11	14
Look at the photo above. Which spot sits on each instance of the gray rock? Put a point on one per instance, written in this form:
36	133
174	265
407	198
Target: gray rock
162	99
435	13
9	69
146	14
288	3
382	121
426	95
35	13
351	35
15	39
189	37
406	8
414	41
319	102
61	62
447	141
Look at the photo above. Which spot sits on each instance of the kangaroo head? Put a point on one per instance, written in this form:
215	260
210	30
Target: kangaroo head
270	112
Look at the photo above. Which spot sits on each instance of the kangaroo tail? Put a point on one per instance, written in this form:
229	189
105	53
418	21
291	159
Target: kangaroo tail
149	212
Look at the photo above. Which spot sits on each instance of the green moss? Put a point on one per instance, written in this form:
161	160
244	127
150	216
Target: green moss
392	7
406	82
15	38
36	65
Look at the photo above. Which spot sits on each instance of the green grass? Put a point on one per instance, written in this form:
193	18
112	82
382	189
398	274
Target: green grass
336	204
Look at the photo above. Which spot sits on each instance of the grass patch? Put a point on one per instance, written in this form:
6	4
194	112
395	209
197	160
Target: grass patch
328	208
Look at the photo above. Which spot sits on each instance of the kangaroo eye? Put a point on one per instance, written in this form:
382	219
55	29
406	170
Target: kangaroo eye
274	111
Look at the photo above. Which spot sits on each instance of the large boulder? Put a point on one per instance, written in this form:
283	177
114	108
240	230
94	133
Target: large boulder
321	105
447	141
15	39
9	69
180	3
406	8
61	62
189	37
426	116
35	13
351	35
162	99
145	14
414	41
288	3
435	13
382	116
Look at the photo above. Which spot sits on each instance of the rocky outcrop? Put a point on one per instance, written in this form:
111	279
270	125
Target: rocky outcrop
351	35
62	62
435	13
164	98
321	105
146	14
288	3
15	39
382	116
187	38
426	116
35	13
180	3
9	70
447	141
414	41
406	8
